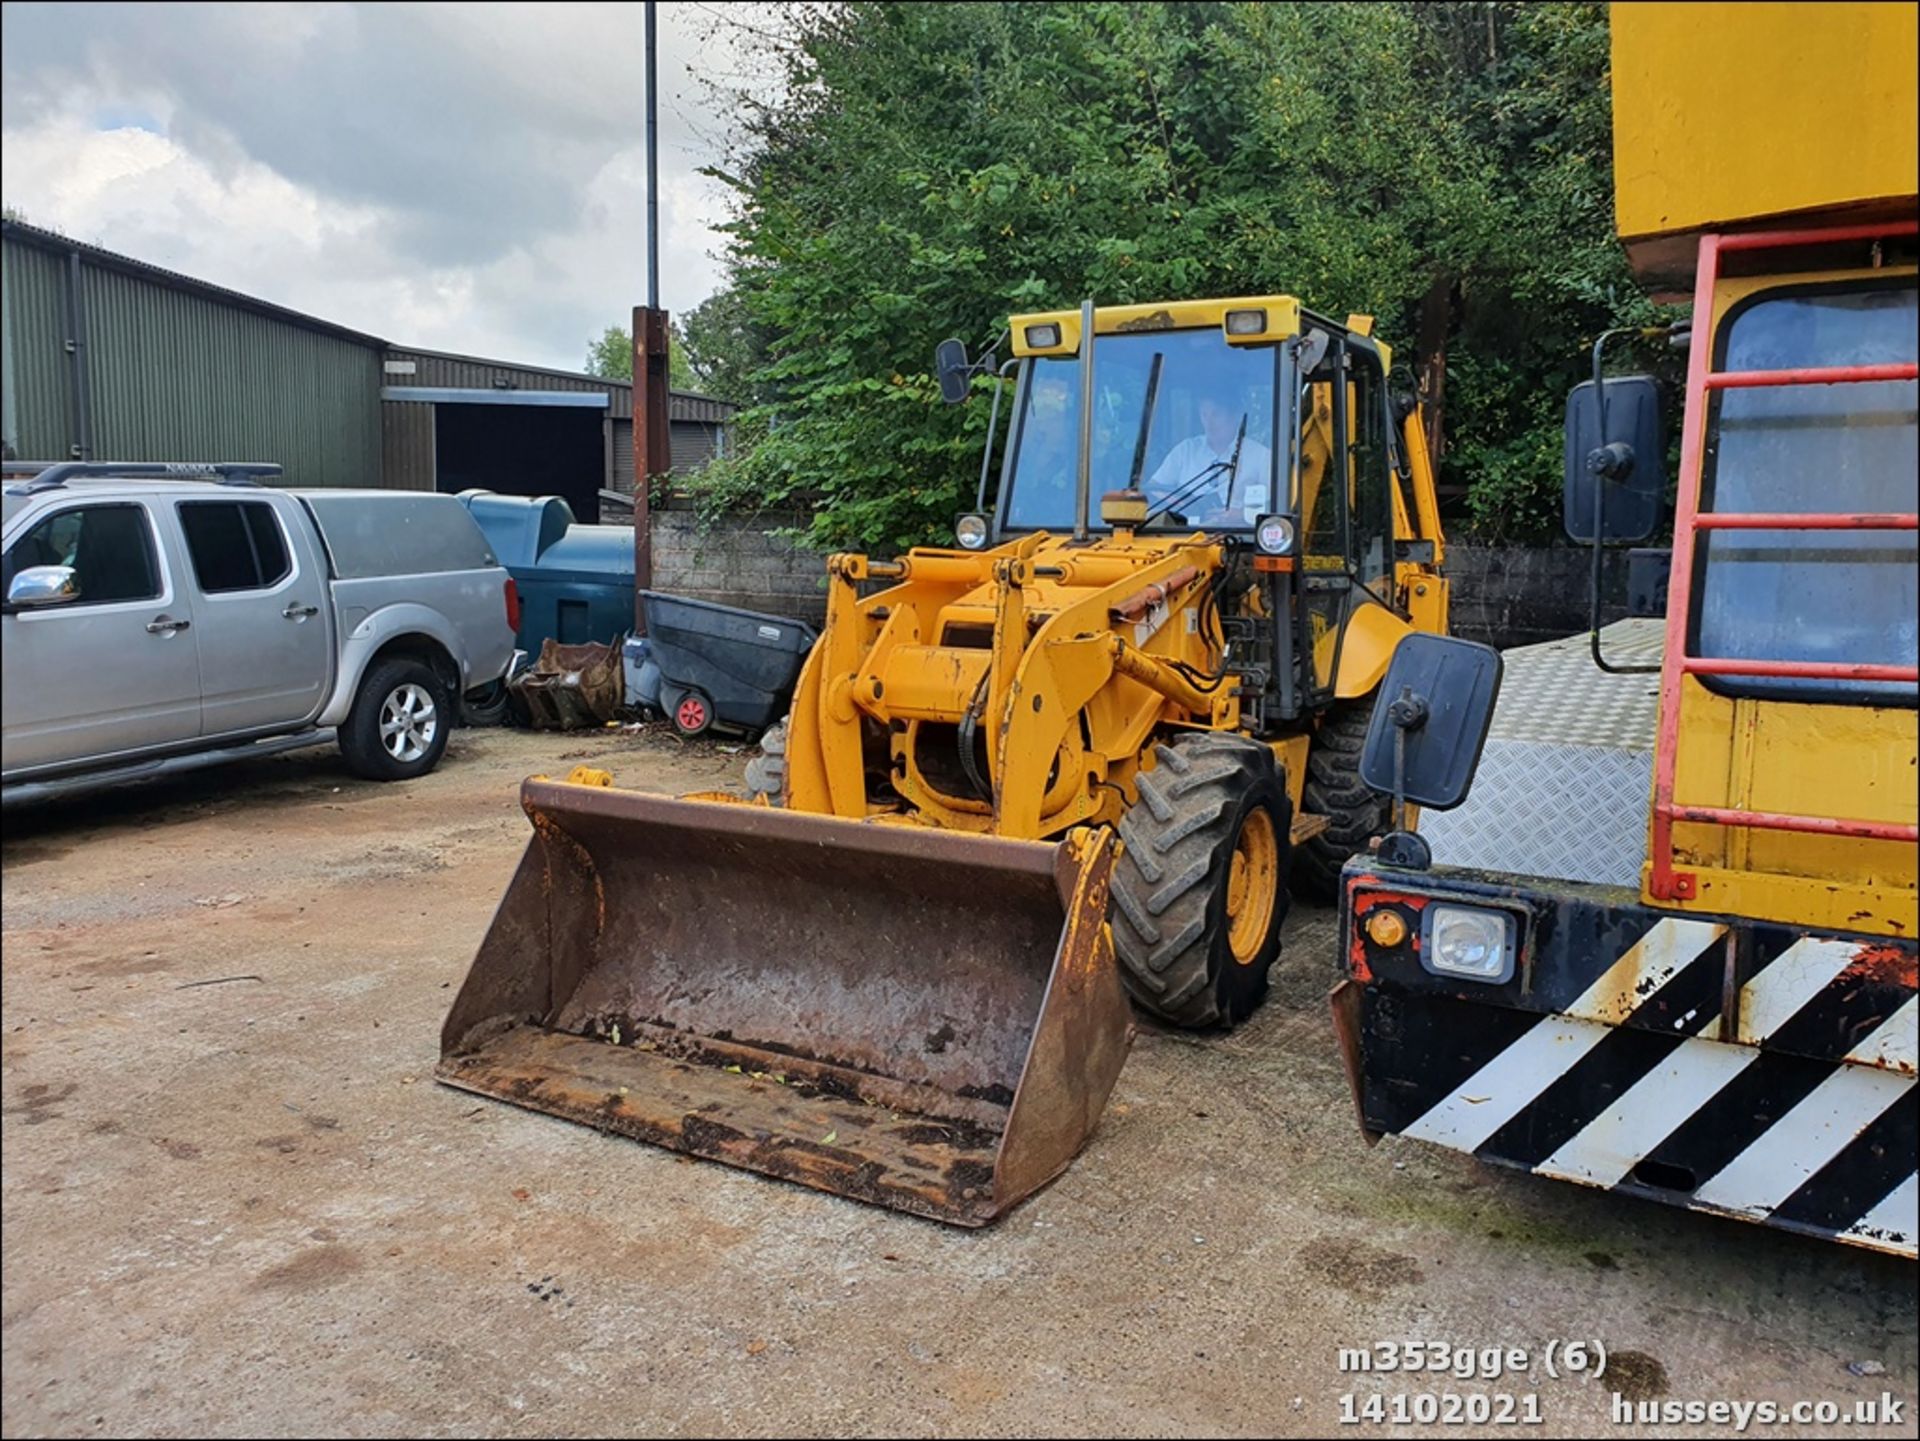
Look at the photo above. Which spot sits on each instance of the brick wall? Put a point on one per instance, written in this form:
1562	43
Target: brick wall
1504	596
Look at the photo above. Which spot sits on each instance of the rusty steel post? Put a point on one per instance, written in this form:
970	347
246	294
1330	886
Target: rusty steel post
652	454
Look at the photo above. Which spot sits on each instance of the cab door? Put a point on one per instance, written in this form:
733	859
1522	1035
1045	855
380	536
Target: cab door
115	669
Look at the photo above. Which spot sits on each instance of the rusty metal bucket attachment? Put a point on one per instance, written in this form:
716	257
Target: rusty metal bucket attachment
915	1018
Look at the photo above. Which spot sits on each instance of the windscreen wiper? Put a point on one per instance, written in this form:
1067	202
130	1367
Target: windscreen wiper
1189	488
1183	494
1146	421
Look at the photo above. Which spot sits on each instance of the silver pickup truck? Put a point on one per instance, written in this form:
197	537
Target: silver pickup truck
159	618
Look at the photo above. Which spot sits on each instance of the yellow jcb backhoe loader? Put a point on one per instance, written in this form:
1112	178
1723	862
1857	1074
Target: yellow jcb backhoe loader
1108	723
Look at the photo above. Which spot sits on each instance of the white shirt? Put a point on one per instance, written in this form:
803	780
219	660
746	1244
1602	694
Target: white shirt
1190	457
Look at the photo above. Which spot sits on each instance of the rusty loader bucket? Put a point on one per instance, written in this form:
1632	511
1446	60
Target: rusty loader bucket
916	1018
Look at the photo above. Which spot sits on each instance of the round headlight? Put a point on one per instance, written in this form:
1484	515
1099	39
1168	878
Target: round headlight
1274	534
971	532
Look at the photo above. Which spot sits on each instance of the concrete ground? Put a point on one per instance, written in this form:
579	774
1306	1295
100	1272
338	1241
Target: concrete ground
236	1204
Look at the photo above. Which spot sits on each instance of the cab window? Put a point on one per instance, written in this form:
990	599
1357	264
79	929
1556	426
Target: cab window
109	548
234	545
1180	413
1813	595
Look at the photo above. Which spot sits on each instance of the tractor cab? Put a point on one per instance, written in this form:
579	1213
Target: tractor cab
1219	412
1223	417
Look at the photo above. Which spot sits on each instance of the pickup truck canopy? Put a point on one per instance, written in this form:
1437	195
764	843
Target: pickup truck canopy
385	532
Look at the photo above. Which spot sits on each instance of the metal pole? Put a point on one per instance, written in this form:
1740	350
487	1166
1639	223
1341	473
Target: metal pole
653	163
78	360
649	326
1083	492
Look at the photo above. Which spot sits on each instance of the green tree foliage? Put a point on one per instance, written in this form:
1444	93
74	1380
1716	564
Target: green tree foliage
612	356
724	346
919	170
1530	84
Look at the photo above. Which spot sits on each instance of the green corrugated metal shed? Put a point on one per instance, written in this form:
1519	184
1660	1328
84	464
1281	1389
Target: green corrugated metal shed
172	368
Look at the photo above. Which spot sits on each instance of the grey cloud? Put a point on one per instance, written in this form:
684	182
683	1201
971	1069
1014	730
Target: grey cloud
475	129
474	172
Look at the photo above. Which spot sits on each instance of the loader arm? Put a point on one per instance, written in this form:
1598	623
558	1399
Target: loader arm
1073	658
1062	710
868	643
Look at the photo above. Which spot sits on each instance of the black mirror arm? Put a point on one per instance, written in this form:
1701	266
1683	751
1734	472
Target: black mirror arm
1408	712
1400	846
1609	463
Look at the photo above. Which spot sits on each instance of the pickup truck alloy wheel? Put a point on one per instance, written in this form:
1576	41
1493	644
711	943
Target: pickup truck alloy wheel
400	720
408	722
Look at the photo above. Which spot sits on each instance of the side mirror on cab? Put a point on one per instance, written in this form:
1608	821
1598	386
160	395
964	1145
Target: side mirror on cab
950	363
1615	471
1439	693
1430	721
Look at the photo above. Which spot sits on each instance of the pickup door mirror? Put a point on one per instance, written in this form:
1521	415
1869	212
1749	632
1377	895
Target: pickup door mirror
1625	459
43	585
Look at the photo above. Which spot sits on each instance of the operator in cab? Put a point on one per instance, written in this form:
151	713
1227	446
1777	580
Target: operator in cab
1220	475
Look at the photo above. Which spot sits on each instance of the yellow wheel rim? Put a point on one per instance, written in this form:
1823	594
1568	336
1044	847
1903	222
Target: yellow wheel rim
1253	884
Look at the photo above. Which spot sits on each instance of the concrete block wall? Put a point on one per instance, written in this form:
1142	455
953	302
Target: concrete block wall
1513	595
739	560
1505	596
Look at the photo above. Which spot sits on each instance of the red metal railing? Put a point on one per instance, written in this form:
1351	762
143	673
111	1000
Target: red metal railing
1799	669
1774	821
1667	881
1828	375
1756	520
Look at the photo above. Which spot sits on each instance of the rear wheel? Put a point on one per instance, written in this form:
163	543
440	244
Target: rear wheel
397	728
1199	891
1332	788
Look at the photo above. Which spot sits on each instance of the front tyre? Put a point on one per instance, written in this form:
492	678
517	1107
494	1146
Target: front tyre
397	729
1200	889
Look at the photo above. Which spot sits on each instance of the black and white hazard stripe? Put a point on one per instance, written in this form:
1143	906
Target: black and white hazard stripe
1799	1112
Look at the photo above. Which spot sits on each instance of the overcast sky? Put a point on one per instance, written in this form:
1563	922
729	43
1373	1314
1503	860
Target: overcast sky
452	176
